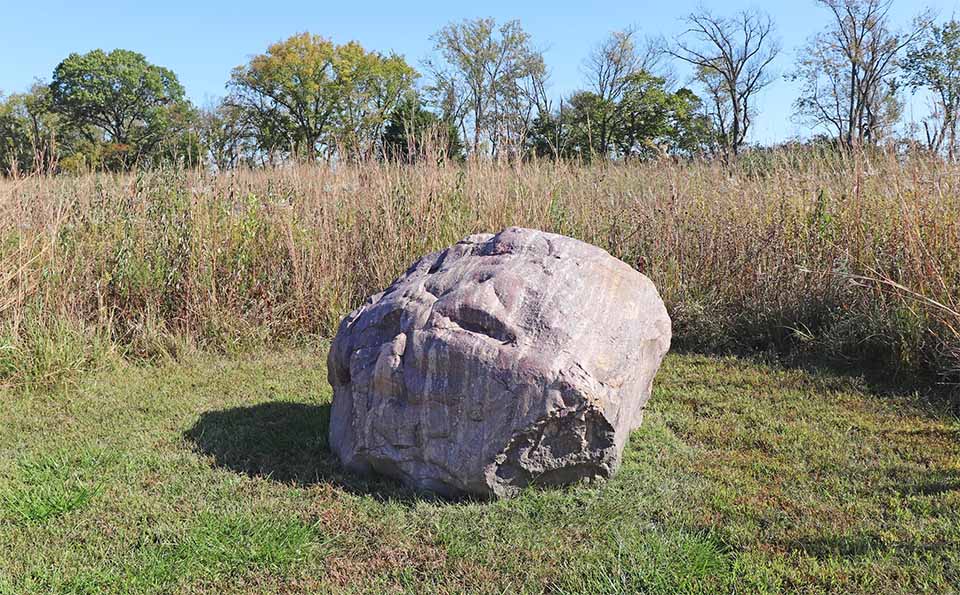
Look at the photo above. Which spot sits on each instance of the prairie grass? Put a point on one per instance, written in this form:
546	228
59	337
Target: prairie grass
855	260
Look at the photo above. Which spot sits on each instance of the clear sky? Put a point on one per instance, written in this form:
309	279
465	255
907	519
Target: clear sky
201	40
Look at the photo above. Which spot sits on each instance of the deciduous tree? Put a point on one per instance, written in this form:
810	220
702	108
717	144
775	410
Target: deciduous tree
934	65
315	97
225	137
847	71
119	93
652	121
414	132
648	121
732	56
609	68
488	76
33	138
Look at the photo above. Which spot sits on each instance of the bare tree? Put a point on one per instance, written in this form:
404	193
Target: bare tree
847	71
609	68
732	56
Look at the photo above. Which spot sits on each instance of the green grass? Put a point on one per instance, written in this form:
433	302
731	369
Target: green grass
49	486
213	476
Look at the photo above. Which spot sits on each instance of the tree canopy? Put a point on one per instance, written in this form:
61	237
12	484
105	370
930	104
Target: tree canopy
314	97
487	95
648	120
490	80
120	94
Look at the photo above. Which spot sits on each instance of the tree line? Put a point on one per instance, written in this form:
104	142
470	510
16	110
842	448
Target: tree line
485	92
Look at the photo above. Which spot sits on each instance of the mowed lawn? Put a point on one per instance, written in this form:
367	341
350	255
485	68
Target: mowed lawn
213	476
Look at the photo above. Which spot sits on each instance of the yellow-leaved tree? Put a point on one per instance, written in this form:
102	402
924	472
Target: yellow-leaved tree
308	97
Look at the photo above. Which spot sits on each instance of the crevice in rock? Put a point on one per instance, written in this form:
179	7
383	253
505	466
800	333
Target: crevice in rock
482	322
429	291
438	263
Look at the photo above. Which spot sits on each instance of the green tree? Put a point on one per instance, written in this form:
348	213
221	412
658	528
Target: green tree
372	85
548	135
652	121
129	100
414	132
609	69
694	132
226	139
313	97
180	142
583	123
491	79
15	151
648	121
934	65
32	136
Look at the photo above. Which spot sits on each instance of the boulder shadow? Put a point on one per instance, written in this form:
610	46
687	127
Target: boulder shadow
825	548
285	442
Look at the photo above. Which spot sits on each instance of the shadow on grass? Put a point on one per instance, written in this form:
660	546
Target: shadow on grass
825	548
927	482
932	488
285	442
923	391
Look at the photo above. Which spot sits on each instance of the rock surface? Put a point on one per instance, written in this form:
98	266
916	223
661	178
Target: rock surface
504	360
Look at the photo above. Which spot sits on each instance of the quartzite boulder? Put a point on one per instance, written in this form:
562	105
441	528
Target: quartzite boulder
505	360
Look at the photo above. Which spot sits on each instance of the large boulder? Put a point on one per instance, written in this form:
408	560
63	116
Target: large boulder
504	360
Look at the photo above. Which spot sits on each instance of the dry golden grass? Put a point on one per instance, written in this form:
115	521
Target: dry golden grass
854	259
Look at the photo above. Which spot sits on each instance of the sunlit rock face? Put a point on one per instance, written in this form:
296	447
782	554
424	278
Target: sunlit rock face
502	361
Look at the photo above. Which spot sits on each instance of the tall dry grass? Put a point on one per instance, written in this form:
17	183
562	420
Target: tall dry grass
852	259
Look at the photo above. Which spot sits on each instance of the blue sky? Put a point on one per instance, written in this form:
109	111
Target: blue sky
202	40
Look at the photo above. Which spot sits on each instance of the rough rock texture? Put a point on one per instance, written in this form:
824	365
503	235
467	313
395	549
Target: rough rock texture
505	360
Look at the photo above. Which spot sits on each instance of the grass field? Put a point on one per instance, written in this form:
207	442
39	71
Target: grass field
163	416
212	475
